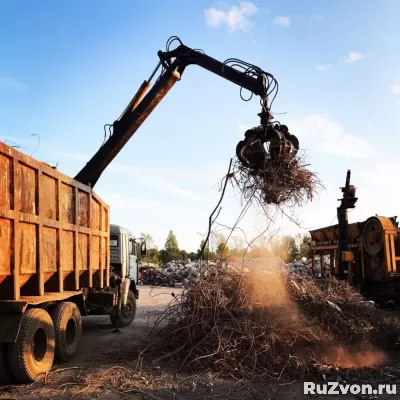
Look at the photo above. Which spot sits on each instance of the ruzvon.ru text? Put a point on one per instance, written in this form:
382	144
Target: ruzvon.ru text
337	388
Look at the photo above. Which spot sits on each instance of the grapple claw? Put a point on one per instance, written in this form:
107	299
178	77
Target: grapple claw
263	145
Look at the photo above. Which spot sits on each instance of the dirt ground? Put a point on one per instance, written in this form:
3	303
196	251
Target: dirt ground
109	367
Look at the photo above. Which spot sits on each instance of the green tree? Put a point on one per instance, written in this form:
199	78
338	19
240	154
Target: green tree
183	255
171	248
192	256
221	245
163	256
153	256
292	250
222	250
285	248
304	249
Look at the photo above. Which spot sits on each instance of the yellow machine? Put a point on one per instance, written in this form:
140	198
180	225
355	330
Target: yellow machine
373	256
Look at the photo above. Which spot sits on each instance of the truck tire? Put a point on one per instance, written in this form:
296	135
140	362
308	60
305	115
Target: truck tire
32	355
68	328
128	312
5	373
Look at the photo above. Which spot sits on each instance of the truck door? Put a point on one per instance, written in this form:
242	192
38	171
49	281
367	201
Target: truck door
132	260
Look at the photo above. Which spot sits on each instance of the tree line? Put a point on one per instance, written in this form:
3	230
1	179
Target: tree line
288	248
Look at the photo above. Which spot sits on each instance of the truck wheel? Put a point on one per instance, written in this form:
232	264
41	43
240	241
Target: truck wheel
5	373
128	312
32	355
68	327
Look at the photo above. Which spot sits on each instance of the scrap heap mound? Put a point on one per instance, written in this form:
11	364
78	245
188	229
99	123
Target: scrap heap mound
282	181
269	324
305	268
170	274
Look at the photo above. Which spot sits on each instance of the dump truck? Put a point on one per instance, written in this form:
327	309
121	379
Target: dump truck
55	241
55	261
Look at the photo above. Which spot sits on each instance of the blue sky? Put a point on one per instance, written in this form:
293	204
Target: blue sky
68	68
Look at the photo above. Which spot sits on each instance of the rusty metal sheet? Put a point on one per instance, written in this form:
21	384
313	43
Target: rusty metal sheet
387	224
6	182
48	198
6	236
331	233
47	222
83	209
67	251
68	203
95	259
27	248
49	242
96	215
82	256
324	234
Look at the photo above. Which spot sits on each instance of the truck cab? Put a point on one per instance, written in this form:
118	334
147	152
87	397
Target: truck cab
125	253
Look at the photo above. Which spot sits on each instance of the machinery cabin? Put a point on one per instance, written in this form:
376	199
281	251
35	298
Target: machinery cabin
125	252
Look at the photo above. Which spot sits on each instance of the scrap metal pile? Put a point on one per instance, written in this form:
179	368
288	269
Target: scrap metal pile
270	324
282	181
304	267
171	274
270	168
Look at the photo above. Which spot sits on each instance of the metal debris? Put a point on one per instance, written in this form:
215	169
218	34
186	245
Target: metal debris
172	274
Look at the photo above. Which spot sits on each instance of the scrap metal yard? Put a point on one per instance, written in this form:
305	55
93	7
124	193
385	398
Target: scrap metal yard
178	223
110	367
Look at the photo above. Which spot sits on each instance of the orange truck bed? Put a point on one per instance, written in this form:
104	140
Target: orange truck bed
54	231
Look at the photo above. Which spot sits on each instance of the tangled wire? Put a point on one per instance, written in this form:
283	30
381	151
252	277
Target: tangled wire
281	181
269	325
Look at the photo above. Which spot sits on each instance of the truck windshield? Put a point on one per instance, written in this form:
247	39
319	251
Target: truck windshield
113	241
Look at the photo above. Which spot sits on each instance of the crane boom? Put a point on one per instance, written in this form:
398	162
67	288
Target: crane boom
173	64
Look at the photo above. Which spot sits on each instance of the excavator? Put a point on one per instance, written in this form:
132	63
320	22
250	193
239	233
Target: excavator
265	143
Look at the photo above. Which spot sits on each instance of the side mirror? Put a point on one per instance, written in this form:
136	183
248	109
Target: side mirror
143	249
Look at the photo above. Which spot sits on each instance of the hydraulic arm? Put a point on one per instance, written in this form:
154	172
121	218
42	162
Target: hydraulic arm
251	151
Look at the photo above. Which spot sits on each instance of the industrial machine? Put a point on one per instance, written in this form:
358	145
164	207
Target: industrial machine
55	233
365	253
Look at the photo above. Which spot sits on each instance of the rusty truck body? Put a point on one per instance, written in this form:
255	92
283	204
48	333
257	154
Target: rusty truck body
54	265
54	231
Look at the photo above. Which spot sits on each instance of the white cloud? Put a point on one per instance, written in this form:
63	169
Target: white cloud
236	18
12	84
395	89
353	56
328	136
282	20
323	67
